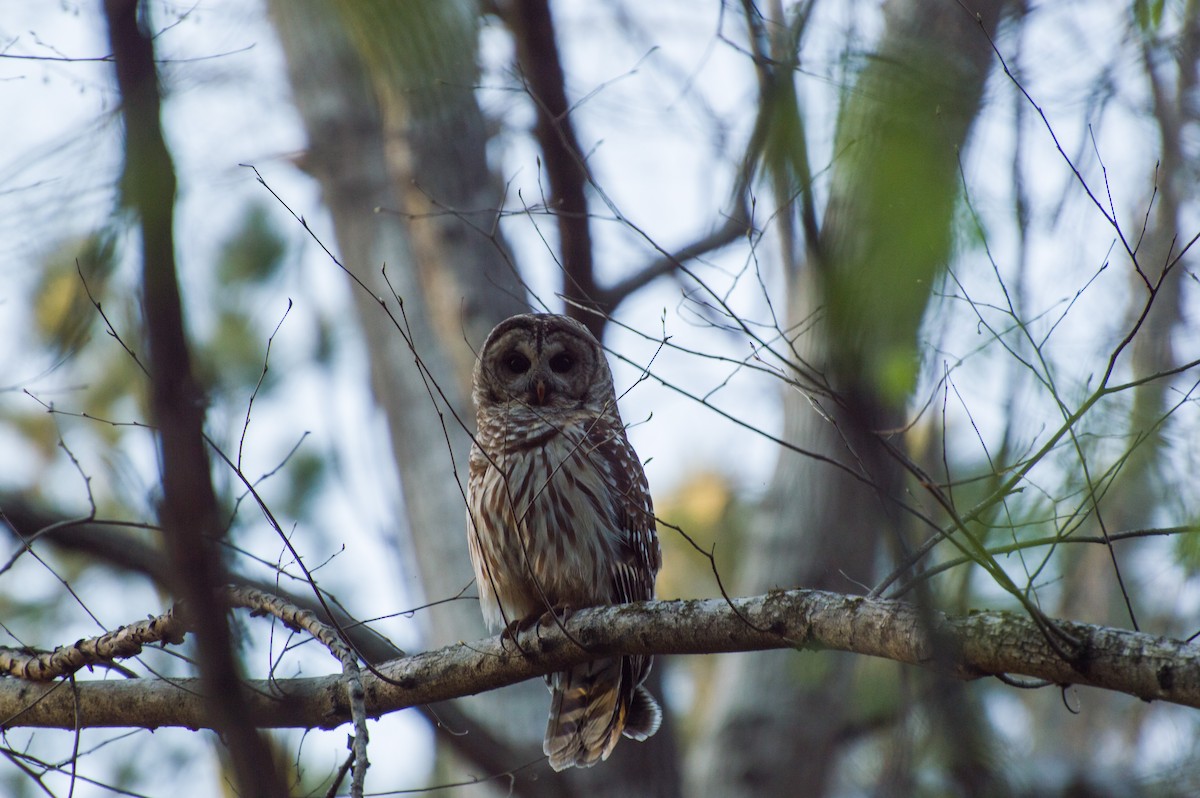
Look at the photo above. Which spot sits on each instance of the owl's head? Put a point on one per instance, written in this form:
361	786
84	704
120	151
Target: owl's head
544	361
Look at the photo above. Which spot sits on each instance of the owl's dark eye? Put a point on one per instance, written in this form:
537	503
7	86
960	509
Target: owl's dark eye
561	363
516	363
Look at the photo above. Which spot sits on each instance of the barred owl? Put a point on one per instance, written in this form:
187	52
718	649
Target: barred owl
559	517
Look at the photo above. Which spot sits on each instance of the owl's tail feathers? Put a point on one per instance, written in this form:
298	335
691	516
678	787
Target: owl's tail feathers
644	715
590	706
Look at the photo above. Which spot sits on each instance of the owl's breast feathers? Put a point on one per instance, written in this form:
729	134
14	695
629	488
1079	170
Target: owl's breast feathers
560	514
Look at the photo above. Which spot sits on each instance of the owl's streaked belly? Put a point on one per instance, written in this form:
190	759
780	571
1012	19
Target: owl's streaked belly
541	529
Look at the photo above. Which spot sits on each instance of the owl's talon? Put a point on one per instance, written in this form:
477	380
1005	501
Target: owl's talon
514	628
558	614
509	635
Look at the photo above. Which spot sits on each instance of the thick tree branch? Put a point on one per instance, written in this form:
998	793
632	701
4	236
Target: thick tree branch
735	226
533	31
537	52
983	644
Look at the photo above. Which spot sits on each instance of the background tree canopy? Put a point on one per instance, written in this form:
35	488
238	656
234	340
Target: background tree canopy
900	302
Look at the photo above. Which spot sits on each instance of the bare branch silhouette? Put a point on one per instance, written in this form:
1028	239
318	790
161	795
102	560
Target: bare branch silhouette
189	507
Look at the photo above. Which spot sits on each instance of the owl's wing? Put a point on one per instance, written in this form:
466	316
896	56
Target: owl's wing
637	557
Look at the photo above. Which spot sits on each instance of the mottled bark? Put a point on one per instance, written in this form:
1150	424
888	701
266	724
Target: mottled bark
1150	667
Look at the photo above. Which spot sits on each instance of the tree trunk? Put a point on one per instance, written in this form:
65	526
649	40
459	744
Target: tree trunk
885	239
403	131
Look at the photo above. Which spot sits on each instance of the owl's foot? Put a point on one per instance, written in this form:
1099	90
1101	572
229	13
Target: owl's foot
556	615
514	628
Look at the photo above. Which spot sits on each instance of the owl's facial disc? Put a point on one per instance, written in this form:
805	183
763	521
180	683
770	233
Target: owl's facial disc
541	362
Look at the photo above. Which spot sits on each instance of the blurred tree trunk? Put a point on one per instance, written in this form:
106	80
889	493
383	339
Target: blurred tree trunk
885	238
346	154
386	91
364	188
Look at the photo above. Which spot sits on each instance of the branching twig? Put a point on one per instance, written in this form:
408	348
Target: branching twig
261	602
123	643
170	628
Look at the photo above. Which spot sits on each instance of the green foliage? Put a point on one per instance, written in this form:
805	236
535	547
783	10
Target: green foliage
254	252
103	379
1187	550
891	237
813	671
876	689
876	303
232	357
305	472
1148	14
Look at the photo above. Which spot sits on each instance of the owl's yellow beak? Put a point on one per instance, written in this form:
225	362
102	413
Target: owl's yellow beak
541	391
